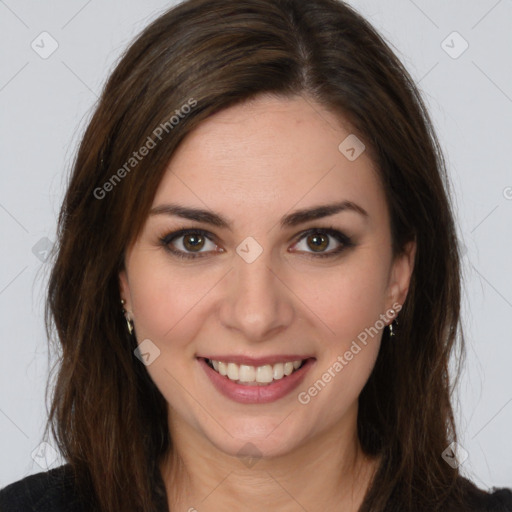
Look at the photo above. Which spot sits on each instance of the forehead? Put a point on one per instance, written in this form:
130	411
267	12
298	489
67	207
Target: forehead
267	156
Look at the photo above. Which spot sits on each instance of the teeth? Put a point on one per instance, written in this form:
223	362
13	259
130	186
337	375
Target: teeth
255	374
223	368
264	374
246	373
278	371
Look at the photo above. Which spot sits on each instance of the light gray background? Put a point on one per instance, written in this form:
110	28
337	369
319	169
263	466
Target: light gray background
45	104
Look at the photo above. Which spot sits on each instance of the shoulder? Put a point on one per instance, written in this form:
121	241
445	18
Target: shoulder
478	500
49	491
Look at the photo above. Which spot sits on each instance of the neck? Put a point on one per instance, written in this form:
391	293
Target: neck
328	472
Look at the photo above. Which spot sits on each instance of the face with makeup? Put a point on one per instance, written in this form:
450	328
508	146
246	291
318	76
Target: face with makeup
266	246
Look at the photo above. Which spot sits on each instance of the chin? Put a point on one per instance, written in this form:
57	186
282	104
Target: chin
270	437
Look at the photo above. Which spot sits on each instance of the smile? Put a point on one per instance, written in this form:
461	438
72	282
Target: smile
255	375
258	383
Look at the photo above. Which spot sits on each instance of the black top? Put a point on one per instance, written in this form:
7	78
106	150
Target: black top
52	491
55	491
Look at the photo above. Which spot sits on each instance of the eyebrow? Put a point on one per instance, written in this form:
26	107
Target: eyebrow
292	219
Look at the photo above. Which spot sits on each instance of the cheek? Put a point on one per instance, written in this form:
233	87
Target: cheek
348	298
165	299
348	350
166	307
349	301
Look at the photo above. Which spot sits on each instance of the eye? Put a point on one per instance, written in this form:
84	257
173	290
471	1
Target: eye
318	240
188	243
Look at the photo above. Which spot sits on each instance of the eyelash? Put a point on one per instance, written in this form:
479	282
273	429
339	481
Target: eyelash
346	242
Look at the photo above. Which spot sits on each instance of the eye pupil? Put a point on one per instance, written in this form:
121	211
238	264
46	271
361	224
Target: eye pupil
320	242
192	242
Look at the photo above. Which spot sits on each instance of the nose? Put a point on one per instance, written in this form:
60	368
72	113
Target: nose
257	303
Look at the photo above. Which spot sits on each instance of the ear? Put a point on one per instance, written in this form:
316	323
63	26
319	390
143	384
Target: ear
124	291
400	275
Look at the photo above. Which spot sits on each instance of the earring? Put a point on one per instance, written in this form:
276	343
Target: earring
129	321
392	329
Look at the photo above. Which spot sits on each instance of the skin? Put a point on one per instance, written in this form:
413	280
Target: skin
254	163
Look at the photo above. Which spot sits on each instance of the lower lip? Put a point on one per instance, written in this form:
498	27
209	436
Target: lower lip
246	394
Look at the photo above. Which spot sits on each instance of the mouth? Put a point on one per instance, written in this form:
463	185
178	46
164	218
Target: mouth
256	383
249	375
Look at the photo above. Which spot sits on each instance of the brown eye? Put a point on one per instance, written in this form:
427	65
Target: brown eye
323	243
318	242
193	242
189	243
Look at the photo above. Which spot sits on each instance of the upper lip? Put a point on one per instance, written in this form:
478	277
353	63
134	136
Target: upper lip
257	361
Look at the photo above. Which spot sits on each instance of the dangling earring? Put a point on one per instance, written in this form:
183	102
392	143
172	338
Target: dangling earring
129	321
392	333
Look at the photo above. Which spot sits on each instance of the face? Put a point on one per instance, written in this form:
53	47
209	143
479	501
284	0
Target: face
257	283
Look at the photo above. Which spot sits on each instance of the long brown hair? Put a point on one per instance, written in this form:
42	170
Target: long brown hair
106	414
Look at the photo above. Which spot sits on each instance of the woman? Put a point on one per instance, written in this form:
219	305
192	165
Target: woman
257	284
